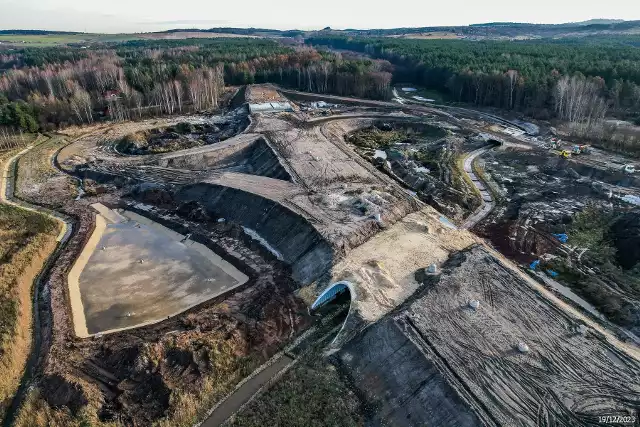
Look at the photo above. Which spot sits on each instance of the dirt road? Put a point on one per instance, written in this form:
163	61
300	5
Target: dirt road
487	199
7	183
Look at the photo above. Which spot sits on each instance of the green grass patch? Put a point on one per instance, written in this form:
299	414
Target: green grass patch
311	394
374	138
589	230
45	40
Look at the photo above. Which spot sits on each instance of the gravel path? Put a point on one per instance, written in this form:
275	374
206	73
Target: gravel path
487	200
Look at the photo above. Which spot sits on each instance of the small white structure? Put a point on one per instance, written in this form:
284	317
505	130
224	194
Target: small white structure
582	329
420	98
523	348
474	304
270	107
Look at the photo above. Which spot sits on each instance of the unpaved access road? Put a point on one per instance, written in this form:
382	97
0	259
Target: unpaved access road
487	199
7	183
247	391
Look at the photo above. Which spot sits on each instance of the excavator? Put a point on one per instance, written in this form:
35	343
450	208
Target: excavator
556	147
581	149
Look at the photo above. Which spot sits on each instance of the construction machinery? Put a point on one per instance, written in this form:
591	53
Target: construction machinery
565	153
581	149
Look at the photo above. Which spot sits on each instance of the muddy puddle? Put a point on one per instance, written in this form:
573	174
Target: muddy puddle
135	272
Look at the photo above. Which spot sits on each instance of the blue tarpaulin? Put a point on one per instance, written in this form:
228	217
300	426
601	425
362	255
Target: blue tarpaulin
562	237
552	273
534	264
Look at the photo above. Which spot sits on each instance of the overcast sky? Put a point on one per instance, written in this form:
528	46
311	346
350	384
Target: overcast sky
115	16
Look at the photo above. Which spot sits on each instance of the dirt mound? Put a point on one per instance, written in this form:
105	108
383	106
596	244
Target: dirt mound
60	392
625	234
182	136
193	211
152	194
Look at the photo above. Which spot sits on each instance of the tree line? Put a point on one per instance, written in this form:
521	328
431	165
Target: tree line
50	88
529	76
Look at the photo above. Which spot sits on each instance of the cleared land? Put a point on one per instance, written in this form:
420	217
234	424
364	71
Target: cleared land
428	36
440	361
327	214
38	180
139	272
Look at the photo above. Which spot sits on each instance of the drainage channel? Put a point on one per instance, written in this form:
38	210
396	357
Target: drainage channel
242	395
7	185
273	369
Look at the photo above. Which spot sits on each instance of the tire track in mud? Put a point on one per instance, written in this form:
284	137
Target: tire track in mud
566	378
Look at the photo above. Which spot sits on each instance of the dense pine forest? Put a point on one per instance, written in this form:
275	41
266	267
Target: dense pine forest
570	79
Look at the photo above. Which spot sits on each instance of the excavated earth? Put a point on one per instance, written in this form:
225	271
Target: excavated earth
438	361
422	155
539	194
290	204
296	189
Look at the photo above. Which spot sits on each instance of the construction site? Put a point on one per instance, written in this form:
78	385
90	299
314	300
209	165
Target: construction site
312	260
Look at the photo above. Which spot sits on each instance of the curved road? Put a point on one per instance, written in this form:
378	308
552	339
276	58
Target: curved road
7	183
487	200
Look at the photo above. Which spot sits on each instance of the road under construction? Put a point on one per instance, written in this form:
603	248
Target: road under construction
439	327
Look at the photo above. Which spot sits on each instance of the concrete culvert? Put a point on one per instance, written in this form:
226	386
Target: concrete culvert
335	302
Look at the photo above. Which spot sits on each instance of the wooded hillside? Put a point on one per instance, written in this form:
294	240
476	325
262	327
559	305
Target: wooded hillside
47	88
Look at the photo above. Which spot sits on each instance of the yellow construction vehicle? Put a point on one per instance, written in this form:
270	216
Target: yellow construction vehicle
565	153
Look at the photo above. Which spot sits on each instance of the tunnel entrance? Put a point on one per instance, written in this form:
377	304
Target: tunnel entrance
332	306
330	294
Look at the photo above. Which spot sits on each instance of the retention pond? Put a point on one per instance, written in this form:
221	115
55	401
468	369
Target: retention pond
134	272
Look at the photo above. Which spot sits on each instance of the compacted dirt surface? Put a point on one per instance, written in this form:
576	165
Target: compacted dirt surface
438	345
338	190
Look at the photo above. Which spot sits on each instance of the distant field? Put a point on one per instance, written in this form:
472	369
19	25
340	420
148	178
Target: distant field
190	35
60	39
428	36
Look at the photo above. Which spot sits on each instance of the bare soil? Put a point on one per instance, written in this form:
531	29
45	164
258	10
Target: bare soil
541	196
